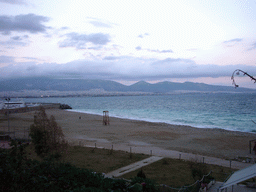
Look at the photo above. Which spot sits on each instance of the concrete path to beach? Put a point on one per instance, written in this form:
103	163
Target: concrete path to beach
133	167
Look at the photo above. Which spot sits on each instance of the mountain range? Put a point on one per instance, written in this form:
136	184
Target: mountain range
47	84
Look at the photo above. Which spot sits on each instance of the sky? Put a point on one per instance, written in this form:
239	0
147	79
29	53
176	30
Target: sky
129	41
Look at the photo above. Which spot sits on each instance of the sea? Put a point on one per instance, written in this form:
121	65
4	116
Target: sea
230	111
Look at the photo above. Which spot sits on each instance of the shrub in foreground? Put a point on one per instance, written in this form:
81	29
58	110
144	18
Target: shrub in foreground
22	174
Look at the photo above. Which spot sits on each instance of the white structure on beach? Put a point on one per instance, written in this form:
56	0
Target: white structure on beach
12	105
239	176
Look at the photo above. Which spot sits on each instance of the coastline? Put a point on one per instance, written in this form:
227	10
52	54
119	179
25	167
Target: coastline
88	129
160	122
124	134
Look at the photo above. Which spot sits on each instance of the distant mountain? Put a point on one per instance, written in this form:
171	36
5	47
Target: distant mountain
166	87
46	84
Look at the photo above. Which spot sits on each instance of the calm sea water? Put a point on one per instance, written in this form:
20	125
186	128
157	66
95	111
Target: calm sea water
220	110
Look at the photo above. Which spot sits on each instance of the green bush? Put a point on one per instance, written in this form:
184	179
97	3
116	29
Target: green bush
22	174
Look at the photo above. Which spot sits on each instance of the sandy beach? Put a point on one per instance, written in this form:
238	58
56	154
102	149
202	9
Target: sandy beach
87	129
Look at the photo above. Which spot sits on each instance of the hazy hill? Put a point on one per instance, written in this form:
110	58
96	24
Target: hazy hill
165	87
46	84
58	84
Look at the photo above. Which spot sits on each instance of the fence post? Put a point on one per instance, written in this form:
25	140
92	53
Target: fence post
250	146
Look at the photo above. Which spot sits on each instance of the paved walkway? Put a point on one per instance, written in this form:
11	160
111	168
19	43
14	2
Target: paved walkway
133	167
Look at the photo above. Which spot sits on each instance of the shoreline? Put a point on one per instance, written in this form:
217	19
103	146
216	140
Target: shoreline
159	122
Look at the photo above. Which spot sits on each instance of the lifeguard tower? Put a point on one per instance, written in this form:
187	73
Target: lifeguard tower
105	118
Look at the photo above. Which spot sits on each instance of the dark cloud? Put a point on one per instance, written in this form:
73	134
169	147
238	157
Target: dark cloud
21	2
15	41
23	23
122	68
79	41
19	38
16	38
11	44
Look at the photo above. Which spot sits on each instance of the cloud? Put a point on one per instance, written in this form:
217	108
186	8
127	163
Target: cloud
80	41
232	42
21	2
99	23
19	38
192	49
111	58
64	28
138	48
16	38
6	59
23	23
162	51
11	43
121	68
15	41
253	46
143	35
32	59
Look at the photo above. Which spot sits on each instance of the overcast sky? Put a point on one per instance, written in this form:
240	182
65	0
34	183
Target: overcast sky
128	41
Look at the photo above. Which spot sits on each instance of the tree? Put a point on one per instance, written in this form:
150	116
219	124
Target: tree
237	72
47	135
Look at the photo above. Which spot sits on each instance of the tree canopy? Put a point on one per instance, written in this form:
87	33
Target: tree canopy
47	135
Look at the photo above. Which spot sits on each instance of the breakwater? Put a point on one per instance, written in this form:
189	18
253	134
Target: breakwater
31	107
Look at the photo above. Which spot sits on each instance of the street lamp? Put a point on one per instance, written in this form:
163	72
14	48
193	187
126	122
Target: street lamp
8	99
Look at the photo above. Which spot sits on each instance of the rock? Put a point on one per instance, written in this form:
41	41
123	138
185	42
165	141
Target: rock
65	106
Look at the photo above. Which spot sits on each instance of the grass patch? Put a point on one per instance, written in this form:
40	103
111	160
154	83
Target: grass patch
177	173
98	160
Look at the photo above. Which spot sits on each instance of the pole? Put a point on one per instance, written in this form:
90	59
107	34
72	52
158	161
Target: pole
8	99
250	146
